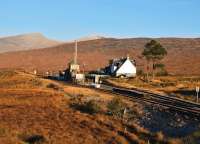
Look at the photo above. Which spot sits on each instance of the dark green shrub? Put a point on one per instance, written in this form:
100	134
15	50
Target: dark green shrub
35	82
32	139
2	132
140	72
116	107
90	107
53	86
162	72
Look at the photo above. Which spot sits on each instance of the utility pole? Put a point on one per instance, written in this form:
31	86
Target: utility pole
124	119
197	91
83	68
75	53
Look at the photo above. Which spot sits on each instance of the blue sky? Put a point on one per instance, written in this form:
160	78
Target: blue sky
70	19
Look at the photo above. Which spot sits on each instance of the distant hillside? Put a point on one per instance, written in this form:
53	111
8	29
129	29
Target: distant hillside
183	55
25	42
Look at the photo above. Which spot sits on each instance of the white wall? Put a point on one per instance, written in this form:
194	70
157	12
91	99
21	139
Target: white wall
127	68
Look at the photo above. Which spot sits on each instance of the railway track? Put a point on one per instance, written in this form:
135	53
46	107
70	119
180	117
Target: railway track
170	103
173	104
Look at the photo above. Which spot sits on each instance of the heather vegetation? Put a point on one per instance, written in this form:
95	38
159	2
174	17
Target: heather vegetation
33	112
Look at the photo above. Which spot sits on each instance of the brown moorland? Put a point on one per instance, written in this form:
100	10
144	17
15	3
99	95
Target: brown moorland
30	112
183	55
36	110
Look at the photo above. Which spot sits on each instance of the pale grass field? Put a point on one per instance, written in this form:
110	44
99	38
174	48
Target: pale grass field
30	109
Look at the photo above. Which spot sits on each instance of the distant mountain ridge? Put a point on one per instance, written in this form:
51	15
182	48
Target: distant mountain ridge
25	42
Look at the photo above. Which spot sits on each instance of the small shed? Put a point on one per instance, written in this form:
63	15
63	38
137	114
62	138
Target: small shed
80	78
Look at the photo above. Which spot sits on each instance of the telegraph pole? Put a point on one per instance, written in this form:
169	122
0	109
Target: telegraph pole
75	53
197	91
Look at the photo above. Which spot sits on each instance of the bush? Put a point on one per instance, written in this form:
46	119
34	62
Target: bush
196	134
53	86
2	132
162	72
7	74
35	82
116	107
90	107
32	139
140	72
